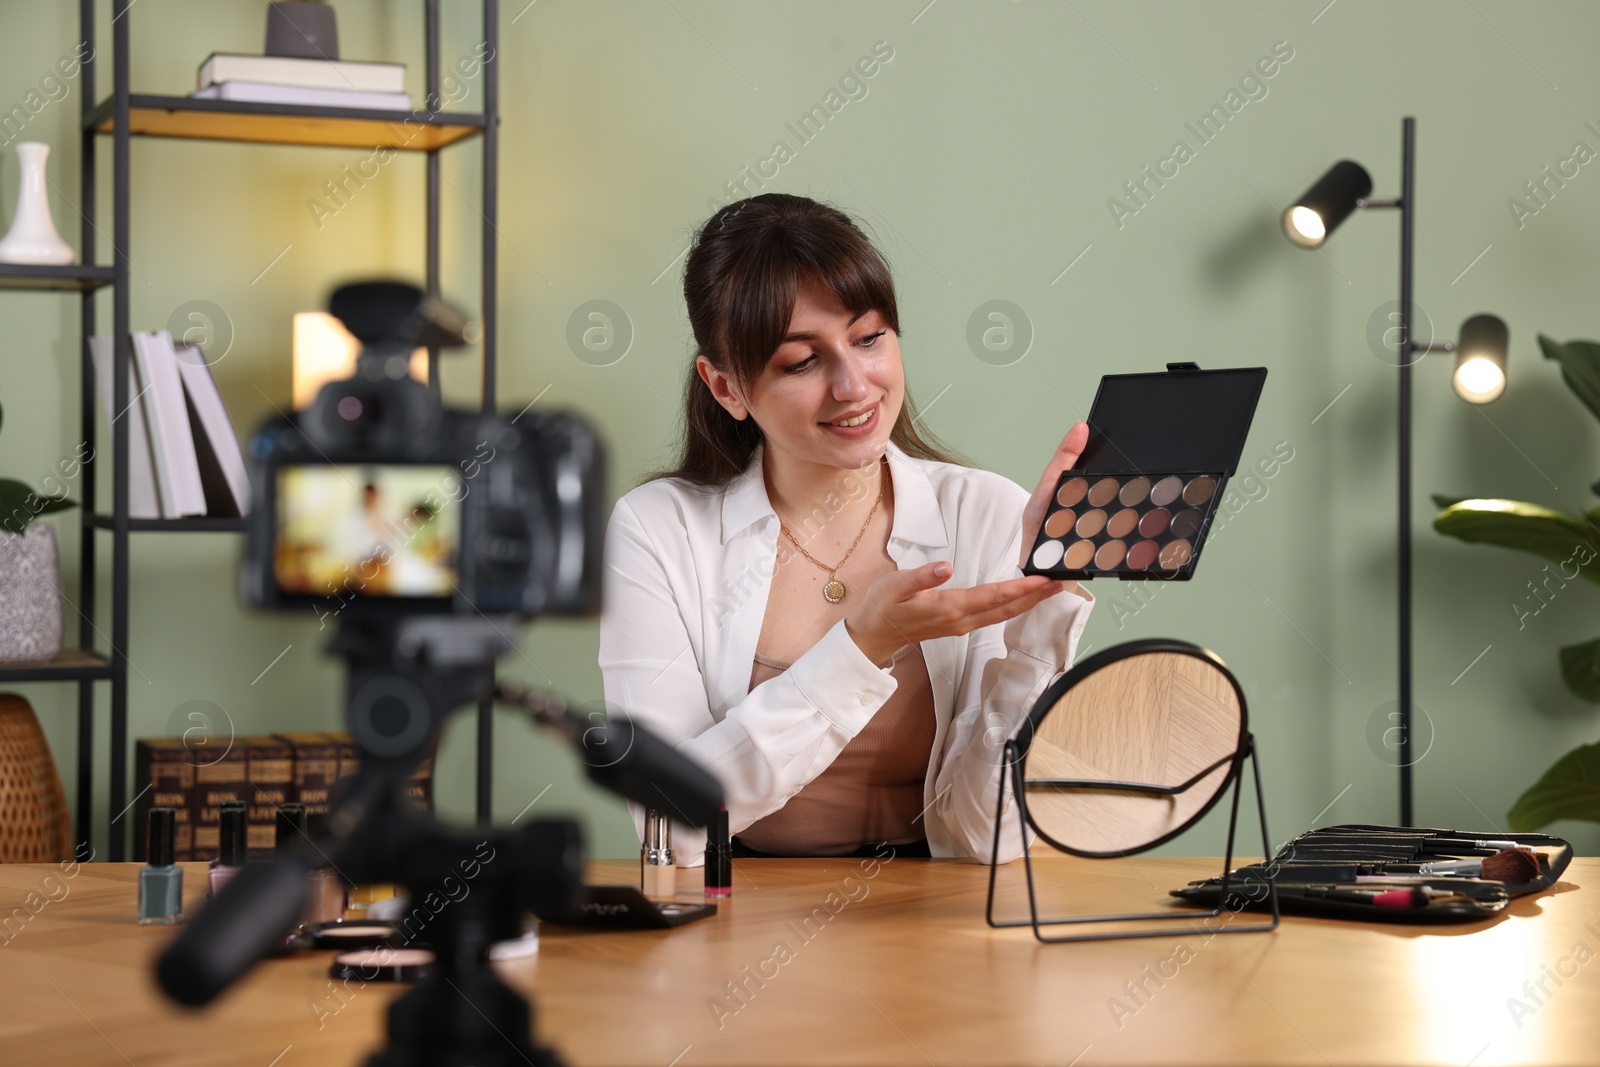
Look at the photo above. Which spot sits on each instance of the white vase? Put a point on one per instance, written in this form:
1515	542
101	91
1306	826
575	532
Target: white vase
30	594
33	237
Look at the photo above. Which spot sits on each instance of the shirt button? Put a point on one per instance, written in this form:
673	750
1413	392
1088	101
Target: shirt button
865	700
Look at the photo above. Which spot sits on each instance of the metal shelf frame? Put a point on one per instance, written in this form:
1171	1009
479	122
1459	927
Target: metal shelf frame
120	116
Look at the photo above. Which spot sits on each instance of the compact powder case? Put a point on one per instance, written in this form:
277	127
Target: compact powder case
1139	502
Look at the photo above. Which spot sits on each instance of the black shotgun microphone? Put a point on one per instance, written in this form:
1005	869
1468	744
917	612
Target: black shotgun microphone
257	907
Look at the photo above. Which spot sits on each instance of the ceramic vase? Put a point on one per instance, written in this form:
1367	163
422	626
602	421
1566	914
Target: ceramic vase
30	595
33	237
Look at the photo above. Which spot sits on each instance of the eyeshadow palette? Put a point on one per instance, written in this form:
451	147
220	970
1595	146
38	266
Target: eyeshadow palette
1140	501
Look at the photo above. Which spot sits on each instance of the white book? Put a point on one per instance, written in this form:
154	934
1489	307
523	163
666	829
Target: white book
222	469
171	440
144	502
358	75
263	93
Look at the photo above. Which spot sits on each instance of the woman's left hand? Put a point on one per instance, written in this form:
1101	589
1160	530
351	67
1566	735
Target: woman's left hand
1067	454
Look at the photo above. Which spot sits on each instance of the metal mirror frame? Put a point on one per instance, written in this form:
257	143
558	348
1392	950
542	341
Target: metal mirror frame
1016	750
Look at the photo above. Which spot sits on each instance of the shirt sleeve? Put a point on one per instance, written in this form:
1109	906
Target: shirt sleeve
763	749
1008	665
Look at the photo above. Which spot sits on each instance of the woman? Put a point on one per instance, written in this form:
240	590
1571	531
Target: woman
811	603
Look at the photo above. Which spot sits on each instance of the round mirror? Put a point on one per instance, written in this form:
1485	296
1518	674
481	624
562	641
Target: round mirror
1130	747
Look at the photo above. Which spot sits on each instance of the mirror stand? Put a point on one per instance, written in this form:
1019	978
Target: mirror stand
1014	761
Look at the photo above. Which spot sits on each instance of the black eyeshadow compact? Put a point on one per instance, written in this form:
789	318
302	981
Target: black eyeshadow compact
1139	502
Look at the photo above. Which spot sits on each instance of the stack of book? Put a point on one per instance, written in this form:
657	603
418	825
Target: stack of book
183	456
313	82
265	772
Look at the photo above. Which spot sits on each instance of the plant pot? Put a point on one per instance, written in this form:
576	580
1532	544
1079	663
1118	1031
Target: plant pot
33	237
30	595
302	29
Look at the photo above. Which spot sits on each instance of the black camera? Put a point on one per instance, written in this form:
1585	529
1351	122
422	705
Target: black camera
379	502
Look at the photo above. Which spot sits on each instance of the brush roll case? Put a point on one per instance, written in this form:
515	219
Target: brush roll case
1332	857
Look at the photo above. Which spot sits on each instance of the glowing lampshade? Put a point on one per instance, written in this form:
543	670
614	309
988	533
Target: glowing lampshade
324	351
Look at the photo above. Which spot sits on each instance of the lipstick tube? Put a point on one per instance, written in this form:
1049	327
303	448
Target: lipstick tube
719	858
658	872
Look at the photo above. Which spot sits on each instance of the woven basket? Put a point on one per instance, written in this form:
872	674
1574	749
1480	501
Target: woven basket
33	806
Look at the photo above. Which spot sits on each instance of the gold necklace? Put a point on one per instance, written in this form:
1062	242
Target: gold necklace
834	591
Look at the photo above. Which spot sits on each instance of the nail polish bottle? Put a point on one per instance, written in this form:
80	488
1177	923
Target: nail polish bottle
233	833
161	883
658	872
291	828
327	898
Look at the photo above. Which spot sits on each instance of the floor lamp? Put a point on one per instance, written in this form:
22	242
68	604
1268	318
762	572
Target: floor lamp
1480	372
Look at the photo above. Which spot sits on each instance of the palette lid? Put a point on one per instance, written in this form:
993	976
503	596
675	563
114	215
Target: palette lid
1180	419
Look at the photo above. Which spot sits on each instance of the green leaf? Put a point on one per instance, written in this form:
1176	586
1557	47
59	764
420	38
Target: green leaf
1580	669
1568	790
1580	368
20	505
1569	540
1441	501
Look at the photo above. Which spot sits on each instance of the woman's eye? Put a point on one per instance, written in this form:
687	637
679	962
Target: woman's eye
871	339
804	364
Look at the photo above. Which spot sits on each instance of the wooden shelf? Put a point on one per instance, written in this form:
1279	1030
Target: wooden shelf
71	277
195	525
233	120
72	665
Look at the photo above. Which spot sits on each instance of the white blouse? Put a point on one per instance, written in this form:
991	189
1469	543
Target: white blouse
687	572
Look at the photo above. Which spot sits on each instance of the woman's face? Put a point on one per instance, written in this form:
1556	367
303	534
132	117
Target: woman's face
831	392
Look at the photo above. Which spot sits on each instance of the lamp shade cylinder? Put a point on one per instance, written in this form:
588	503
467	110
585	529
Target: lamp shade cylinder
1308	221
1481	354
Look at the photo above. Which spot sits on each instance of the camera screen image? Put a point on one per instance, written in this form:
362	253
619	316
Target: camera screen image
370	530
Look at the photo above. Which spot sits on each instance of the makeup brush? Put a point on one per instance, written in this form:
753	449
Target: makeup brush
1507	865
1389	898
1511	865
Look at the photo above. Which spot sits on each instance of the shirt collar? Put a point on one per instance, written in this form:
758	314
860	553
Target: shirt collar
916	511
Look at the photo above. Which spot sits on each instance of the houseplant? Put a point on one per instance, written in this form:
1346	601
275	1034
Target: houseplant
30	575
1570	544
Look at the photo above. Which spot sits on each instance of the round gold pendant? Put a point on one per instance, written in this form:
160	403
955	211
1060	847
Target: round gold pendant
834	591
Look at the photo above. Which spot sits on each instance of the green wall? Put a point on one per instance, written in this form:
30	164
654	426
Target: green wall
983	157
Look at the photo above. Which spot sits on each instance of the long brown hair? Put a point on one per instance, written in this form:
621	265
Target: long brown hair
739	282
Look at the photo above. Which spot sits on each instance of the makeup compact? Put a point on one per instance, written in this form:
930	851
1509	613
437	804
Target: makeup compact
1139	502
383	964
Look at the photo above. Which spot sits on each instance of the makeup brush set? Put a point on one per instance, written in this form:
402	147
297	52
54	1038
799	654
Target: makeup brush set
1393	874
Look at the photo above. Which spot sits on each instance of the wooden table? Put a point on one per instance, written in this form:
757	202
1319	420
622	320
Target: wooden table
839	962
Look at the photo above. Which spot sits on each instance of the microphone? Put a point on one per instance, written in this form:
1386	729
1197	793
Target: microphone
255	909
626	758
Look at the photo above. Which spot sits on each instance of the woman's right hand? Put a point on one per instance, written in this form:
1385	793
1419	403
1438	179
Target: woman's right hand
906	606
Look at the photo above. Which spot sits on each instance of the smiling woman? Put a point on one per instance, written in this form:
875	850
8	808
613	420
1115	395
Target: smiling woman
856	690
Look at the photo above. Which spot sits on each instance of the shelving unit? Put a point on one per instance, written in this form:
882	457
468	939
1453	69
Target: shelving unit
121	116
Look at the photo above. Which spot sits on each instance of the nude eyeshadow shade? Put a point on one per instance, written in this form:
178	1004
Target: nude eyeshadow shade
1140	501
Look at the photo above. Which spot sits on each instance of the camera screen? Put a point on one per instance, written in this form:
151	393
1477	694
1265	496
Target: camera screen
370	530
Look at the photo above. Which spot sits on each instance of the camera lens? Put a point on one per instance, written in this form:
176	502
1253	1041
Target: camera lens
350	408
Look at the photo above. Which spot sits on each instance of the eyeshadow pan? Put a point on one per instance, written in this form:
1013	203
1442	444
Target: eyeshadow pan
1072	491
1154	522
1079	555
1122	523
1186	523
1109	555
1058	524
1134	491
1047	555
1141	555
1166	490
1091	522
1103	492
1199	490
1176	554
